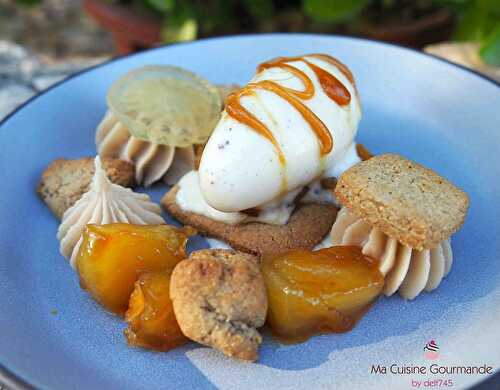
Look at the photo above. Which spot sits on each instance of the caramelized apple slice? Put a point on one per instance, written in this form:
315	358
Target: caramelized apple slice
150	315
319	292
112	257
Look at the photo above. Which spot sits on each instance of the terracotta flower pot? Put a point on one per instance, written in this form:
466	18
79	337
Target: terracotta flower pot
131	31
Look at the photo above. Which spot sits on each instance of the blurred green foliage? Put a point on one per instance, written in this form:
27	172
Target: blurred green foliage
477	20
28	3
334	11
185	20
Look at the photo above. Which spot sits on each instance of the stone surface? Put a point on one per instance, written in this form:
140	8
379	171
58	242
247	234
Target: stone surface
16	62
23	74
57	28
13	94
466	54
65	39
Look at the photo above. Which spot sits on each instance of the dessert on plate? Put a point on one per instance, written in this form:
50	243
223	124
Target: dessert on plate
65	181
104	203
308	224
402	215
219	299
261	170
152	161
150	315
315	228
113	257
322	291
169	102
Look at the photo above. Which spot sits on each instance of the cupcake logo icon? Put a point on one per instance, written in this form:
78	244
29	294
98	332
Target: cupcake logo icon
431	350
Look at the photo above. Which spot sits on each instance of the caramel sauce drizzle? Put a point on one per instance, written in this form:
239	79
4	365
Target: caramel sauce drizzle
332	87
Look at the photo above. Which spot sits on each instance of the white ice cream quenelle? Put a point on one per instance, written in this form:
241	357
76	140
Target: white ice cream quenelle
104	203
152	162
406	270
190	198
241	169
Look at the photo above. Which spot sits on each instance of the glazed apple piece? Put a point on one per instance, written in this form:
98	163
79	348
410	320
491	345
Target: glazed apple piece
150	315
112	257
325	291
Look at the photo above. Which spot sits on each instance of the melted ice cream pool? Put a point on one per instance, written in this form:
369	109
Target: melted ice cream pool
190	199
277	212
104	202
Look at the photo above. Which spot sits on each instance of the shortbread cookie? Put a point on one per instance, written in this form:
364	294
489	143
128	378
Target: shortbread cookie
65	181
403	199
219	300
307	226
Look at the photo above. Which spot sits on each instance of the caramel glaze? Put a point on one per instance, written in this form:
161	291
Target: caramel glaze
332	87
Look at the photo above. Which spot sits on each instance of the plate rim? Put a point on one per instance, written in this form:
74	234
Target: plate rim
17	382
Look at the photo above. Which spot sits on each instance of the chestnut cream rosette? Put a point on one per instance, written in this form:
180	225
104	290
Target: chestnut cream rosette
152	162
406	270
104	203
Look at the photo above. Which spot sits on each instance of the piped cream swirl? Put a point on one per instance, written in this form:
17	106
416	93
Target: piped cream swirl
406	270
152	162
104	203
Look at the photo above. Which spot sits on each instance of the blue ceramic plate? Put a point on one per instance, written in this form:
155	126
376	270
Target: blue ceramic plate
52	335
